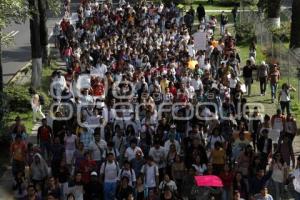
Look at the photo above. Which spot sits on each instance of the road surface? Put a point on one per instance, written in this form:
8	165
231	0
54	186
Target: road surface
18	54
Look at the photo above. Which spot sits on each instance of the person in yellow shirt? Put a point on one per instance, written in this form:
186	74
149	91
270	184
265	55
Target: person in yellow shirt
218	158
164	83
192	63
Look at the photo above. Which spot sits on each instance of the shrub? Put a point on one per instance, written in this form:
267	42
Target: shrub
244	33
283	33
17	98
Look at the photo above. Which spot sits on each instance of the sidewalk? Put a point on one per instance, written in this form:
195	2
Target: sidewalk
6	180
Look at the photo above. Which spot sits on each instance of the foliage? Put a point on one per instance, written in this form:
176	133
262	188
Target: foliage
282	33
11	11
244	33
17	98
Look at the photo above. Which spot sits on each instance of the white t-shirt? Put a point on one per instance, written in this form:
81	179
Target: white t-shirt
110	170
150	172
130	153
158	155
212	140
128	173
278	172
171	184
70	143
97	149
200	169
296	181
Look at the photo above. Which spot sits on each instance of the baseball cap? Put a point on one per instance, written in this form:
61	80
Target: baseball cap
94	174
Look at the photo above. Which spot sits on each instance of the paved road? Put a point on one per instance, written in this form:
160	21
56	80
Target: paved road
19	54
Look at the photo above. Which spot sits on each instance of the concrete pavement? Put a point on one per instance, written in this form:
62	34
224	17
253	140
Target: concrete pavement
17	55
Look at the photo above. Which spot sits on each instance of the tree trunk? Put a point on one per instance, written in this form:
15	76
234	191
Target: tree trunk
295	29
1	85
36	50
43	30
273	13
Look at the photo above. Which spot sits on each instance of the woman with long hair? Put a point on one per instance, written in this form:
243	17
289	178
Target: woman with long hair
171	158
245	159
279	176
239	184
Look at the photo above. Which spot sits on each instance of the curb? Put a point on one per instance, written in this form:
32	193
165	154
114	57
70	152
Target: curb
18	73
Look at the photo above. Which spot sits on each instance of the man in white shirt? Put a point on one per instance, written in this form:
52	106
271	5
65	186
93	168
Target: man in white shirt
159	155
100	69
191	90
132	150
58	85
109	172
170	141
151	174
296	180
128	172
97	147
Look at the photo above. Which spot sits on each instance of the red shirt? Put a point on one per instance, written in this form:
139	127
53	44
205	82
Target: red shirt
18	150
98	89
227	179
86	167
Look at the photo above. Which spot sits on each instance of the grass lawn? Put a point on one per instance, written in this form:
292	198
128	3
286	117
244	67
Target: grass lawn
26	115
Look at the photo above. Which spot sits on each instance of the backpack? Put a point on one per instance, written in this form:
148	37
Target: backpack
117	165
131	176
42	99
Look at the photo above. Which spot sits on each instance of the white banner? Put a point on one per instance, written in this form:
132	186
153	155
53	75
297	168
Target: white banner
200	40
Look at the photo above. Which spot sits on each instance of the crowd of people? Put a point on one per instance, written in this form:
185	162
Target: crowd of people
140	112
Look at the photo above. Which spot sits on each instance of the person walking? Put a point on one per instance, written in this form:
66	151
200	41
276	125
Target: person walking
284	98
234	12
247	74
45	138
295	177
274	76
262	77
200	13
223	22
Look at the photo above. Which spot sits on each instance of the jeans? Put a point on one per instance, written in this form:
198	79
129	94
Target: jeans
277	189
273	90
110	190
285	105
263	84
226	194
45	149
248	82
222	30
17	166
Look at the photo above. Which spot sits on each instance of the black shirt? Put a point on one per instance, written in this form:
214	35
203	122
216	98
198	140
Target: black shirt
247	72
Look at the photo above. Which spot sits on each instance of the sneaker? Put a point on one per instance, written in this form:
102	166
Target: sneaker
261	94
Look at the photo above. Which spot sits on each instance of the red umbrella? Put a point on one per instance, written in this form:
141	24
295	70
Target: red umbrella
208	181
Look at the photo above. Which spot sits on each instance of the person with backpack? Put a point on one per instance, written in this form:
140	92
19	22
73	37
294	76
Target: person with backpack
109	172
128	172
97	147
151	175
111	149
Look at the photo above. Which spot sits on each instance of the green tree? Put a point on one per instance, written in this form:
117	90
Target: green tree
39	36
11	11
295	28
